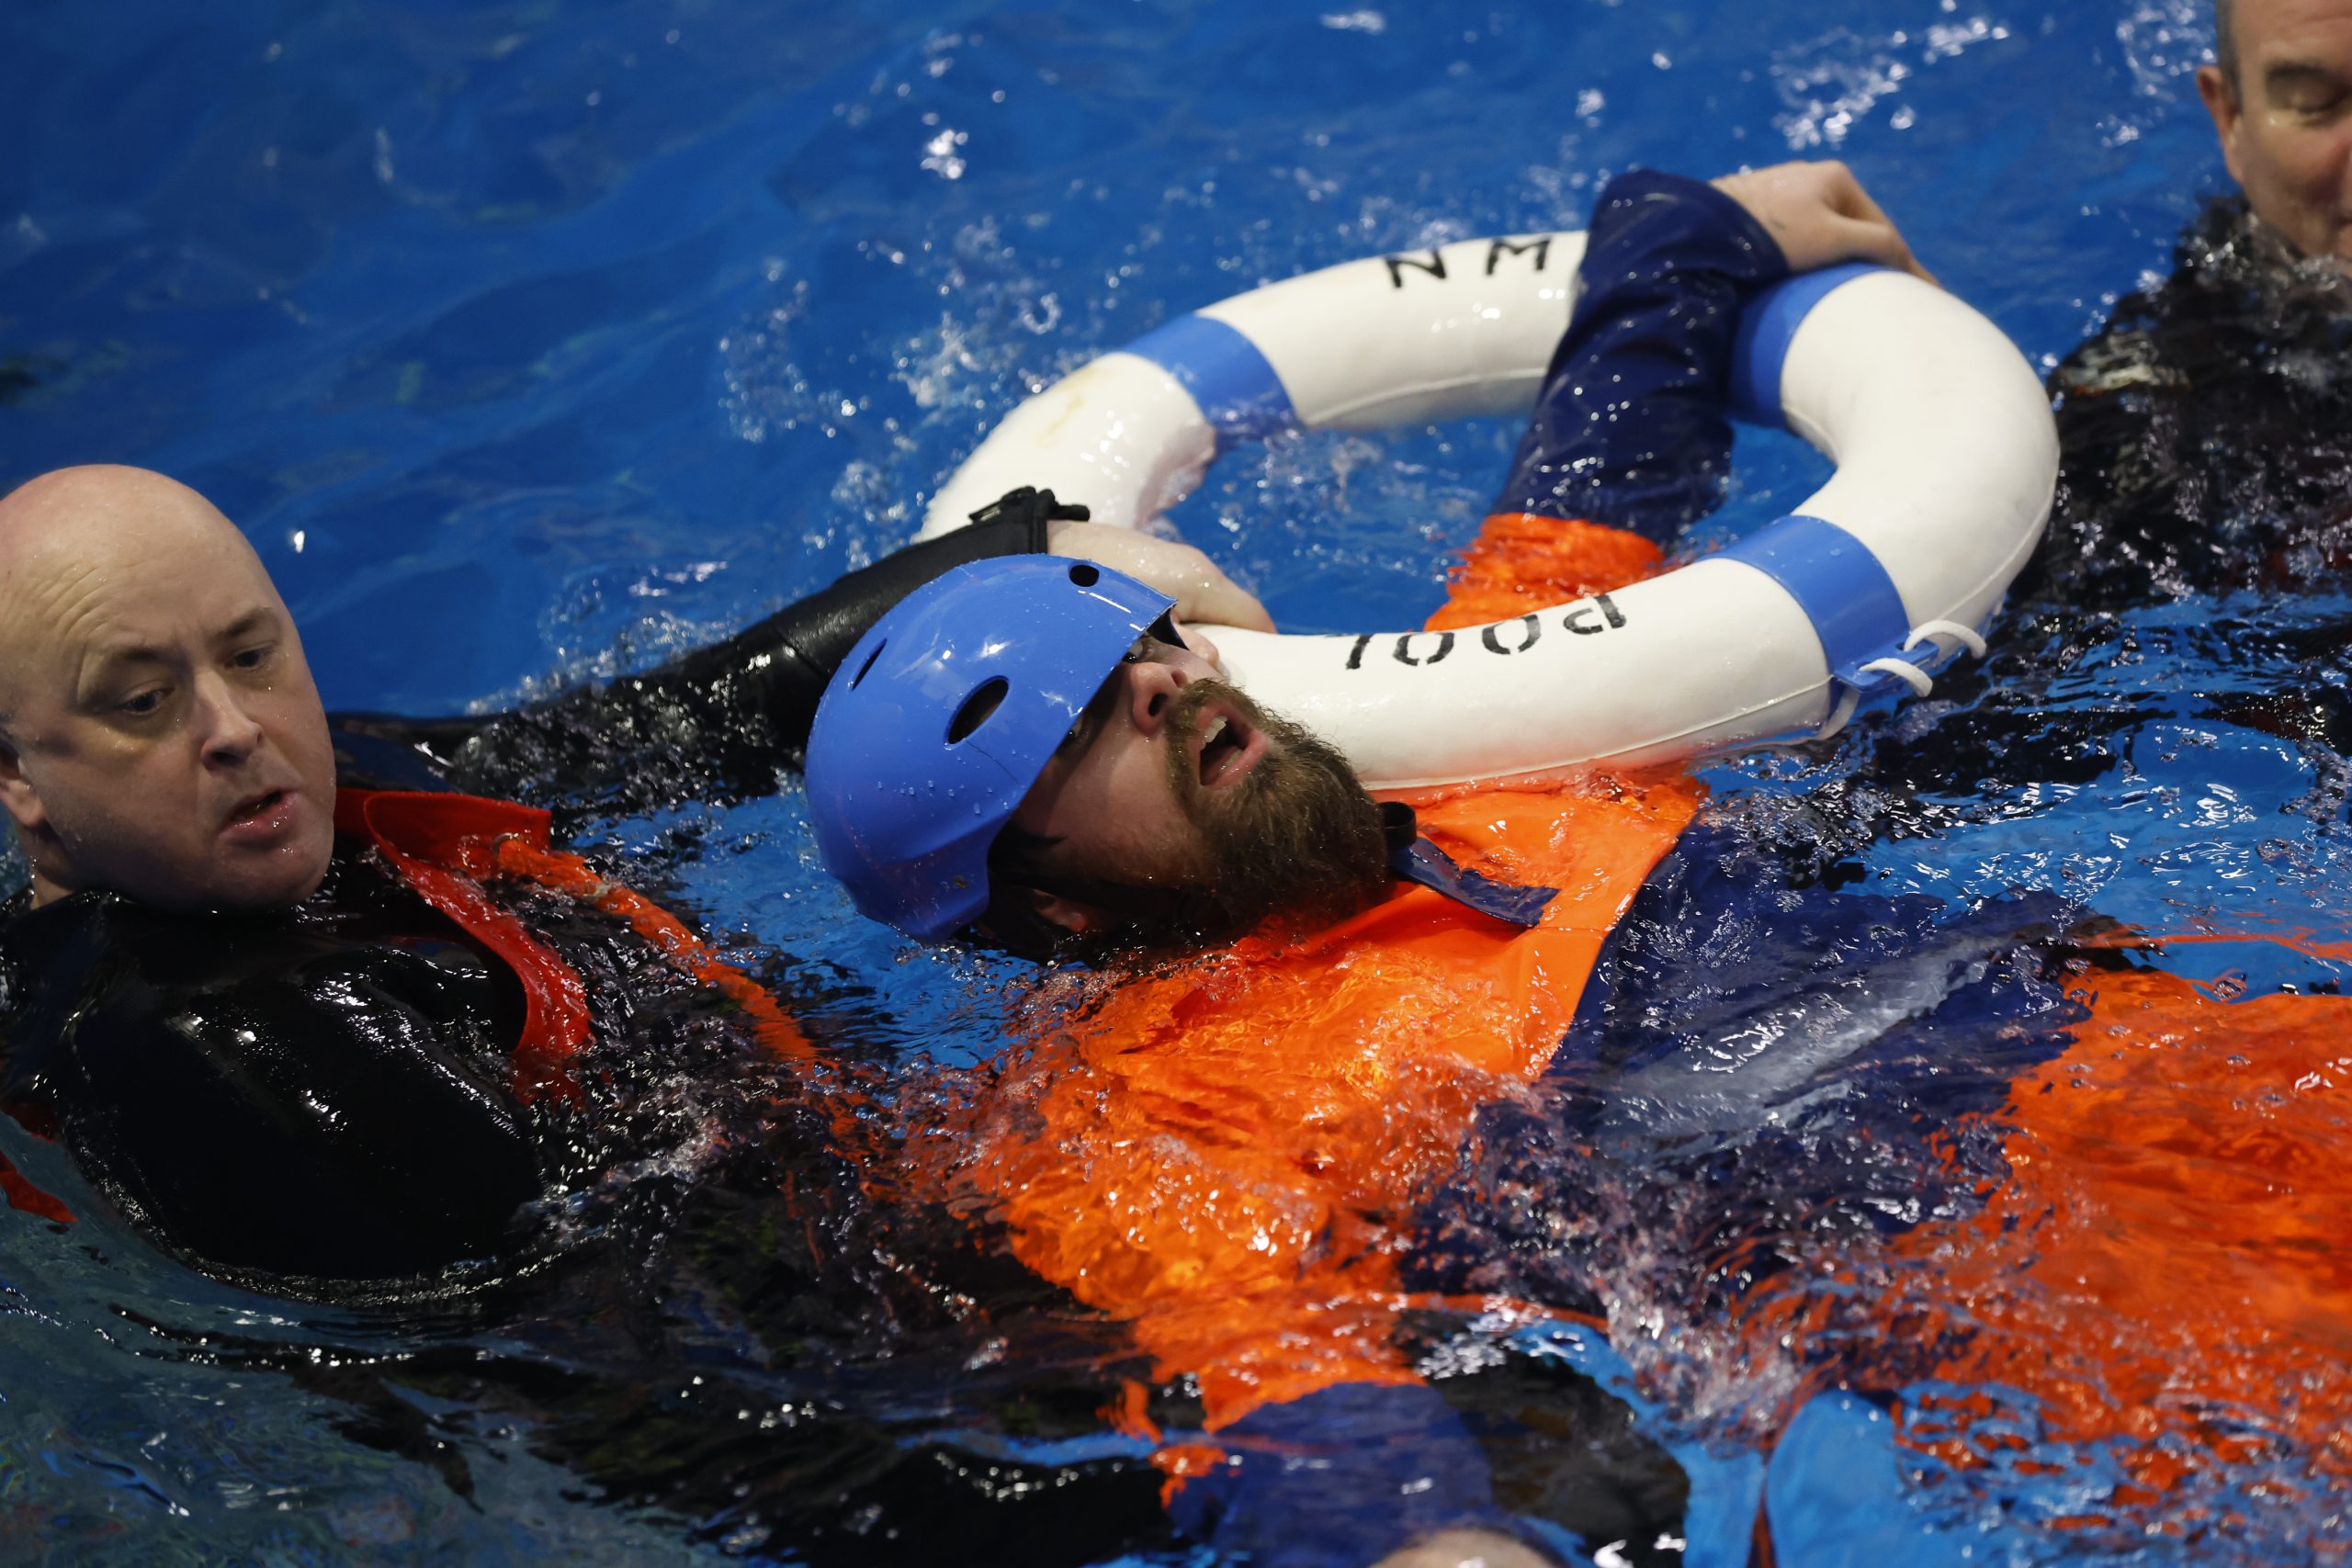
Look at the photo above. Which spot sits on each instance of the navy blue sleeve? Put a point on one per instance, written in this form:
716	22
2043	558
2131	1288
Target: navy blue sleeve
1630	428
1341	1478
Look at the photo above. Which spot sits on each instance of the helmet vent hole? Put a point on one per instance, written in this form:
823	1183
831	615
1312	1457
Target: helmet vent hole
977	708
864	669
1085	575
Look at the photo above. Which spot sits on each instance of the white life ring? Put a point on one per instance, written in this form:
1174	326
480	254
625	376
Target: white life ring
1947	460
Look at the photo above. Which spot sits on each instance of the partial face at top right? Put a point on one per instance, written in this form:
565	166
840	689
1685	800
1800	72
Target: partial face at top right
2285	119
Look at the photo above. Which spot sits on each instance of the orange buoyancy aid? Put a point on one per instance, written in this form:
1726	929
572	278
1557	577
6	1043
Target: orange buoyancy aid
1228	1155
446	846
2165	1264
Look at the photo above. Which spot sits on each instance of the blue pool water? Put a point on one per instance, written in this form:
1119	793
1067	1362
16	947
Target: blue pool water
532	341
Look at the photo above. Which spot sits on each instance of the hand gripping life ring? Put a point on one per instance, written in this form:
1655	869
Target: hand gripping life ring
1947	460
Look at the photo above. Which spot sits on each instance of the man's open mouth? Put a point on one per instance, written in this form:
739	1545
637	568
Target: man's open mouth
255	807
1228	750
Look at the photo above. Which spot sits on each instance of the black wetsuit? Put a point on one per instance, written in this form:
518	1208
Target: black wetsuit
2206	433
322	1093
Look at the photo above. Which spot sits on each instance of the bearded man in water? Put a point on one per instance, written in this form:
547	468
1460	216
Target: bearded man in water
1053	758
1083	771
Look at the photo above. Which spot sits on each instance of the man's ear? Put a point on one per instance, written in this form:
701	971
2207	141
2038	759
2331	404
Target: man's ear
2220	95
16	793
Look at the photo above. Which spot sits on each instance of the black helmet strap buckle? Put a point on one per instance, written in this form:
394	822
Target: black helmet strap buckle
1030	504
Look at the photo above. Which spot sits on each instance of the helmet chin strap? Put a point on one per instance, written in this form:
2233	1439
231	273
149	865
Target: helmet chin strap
1414	859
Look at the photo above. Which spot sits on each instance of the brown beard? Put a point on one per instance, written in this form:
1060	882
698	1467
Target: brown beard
1295	838
1296	835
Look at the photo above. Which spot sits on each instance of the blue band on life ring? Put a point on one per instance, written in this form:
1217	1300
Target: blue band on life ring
1767	327
1237	389
1856	610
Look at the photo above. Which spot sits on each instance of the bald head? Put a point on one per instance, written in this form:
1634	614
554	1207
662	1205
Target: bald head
102	486
68	529
160	734
108	495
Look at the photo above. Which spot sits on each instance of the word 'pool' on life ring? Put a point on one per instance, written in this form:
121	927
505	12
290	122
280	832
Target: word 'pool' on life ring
1947	460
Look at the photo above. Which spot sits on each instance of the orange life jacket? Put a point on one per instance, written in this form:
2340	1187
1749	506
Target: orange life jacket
1228	1155
2166	1262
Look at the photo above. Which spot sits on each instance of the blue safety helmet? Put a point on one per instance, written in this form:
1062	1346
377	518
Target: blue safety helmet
944	714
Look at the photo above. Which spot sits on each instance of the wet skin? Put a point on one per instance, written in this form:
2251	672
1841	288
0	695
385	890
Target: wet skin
163	736
1110	794
2286	122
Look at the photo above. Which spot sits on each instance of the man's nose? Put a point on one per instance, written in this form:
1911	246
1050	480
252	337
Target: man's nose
229	731
1152	690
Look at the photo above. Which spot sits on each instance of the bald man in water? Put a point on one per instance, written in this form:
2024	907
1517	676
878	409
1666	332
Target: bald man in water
317	1094
160	734
275	1052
